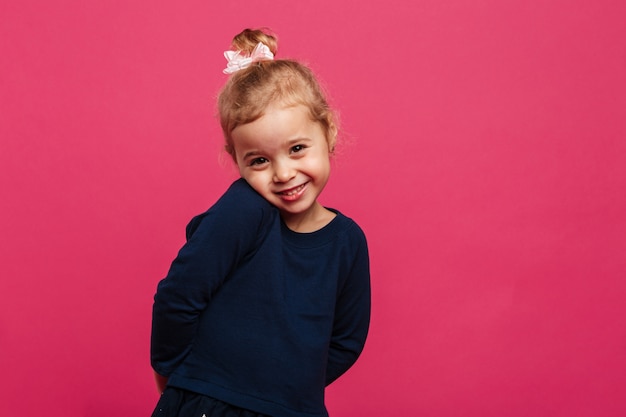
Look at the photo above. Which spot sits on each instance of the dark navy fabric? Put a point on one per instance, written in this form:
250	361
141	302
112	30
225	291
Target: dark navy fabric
258	316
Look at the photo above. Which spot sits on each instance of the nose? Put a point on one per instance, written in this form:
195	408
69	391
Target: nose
283	171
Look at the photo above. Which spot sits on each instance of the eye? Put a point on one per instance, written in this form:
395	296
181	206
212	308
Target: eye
297	148
257	161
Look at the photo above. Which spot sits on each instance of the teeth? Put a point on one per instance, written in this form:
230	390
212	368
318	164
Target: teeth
294	191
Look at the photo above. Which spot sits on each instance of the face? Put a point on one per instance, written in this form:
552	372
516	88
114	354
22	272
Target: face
284	156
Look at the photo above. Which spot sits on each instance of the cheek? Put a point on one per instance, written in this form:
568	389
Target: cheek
242	167
321	163
256	179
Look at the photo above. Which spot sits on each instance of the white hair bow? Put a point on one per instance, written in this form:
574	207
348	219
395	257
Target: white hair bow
237	60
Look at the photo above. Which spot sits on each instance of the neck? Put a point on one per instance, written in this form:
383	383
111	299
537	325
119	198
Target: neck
308	222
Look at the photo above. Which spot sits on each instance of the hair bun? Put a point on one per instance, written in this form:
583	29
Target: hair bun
248	39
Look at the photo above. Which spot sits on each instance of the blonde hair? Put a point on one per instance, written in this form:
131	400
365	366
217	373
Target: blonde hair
249	92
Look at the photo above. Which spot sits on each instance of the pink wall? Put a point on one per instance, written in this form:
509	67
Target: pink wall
485	157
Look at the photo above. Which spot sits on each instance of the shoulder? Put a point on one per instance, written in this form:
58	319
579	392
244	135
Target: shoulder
241	196
240	207
357	241
348	235
350	228
354	252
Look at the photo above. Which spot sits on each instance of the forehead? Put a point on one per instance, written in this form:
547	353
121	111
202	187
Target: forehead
277	124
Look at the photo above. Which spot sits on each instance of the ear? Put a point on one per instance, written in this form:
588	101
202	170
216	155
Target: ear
331	137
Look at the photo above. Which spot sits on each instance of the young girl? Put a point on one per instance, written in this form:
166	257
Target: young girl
268	302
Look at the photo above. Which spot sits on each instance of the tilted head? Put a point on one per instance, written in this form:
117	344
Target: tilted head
251	90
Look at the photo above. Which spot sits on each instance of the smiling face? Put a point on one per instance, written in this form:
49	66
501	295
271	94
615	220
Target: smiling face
284	156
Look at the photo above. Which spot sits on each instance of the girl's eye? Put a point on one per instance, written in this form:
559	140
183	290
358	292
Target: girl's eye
258	161
297	148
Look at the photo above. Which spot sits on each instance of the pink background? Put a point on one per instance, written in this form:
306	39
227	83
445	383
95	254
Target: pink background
484	155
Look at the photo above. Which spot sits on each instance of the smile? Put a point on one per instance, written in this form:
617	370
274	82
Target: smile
293	190
292	193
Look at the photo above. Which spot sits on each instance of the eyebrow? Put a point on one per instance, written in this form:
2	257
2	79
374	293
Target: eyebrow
251	153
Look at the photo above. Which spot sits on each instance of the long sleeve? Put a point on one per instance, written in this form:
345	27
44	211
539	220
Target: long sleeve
352	315
216	242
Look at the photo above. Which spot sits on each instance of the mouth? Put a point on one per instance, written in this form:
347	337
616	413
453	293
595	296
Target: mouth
292	193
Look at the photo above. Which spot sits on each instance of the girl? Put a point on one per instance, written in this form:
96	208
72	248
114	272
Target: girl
268	301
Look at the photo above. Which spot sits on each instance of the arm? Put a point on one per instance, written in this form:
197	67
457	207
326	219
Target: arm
216	242
352	316
161	382
184	293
